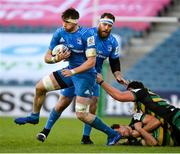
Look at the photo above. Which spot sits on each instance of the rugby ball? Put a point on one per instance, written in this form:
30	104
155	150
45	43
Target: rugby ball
58	49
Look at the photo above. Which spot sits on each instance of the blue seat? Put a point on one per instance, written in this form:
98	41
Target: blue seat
160	69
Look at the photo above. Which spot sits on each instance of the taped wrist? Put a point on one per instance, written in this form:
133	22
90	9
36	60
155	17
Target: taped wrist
73	72
101	82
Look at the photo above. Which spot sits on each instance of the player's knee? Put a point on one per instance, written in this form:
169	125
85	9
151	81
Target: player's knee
81	116
40	88
81	111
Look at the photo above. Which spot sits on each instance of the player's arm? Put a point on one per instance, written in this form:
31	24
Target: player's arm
89	63
114	61
115	93
116	70
48	58
89	43
150	122
149	139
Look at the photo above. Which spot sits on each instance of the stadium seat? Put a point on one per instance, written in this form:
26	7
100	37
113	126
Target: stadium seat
159	69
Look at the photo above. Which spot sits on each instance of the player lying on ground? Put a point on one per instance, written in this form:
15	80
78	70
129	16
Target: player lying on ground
106	47
146	101
144	130
80	73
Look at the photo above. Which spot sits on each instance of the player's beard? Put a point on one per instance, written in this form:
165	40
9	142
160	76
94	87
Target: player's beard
103	34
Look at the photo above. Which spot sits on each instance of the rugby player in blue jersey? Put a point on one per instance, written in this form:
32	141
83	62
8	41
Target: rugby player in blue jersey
80	73
106	47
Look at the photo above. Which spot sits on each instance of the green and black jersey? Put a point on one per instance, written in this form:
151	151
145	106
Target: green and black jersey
163	136
151	103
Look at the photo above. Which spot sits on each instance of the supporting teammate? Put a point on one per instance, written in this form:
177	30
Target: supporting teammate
106	47
80	73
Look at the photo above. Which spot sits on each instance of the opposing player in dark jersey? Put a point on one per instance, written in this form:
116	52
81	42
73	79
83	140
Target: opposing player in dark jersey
145	129
80	73
106	47
146	101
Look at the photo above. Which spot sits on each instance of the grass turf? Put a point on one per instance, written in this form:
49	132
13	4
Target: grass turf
64	138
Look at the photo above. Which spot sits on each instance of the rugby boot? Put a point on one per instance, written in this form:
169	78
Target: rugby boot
29	119
41	136
113	140
86	140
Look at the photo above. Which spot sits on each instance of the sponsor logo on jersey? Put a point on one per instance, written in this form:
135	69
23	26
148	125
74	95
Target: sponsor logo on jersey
77	51
99	52
70	46
101	56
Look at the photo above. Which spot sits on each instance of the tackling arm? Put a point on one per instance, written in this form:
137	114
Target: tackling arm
150	123
116	70
149	139
115	93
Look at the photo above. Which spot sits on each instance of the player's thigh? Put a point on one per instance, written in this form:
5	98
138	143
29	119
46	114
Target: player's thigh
47	83
68	92
84	84
61	81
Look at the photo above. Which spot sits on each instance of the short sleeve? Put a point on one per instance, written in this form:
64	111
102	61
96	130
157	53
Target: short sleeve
55	39
116	46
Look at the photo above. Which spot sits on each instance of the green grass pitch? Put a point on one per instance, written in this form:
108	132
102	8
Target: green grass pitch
64	138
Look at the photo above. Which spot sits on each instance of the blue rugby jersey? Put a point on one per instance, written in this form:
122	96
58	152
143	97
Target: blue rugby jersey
105	48
78	42
108	47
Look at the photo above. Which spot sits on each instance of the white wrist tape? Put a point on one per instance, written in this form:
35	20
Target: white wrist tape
73	71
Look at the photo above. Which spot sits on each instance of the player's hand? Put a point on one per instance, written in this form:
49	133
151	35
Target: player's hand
66	72
63	55
99	78
121	80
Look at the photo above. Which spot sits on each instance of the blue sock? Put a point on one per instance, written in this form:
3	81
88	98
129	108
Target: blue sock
54	115
35	115
100	125
87	130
